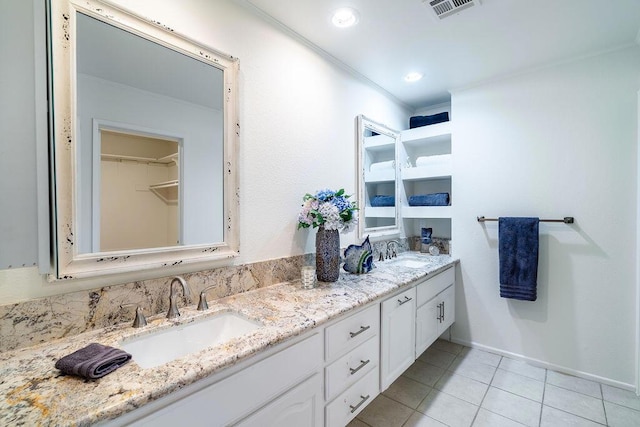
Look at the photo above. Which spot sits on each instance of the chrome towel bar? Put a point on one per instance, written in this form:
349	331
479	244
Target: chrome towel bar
566	219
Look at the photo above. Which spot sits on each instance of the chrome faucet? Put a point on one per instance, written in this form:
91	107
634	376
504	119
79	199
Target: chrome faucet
202	304
391	252
173	307
139	321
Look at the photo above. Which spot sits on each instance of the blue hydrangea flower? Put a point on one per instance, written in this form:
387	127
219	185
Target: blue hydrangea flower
341	203
324	195
328	208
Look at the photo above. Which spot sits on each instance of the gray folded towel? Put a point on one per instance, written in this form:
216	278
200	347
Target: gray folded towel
93	361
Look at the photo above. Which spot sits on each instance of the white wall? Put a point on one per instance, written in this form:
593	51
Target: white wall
297	115
557	142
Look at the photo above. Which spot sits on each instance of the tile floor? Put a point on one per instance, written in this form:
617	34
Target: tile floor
456	386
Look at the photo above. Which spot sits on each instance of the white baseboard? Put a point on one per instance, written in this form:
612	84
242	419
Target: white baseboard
551	366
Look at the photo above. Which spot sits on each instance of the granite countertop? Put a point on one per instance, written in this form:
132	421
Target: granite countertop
35	393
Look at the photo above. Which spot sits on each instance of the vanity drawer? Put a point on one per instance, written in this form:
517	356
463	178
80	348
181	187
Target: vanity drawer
351	367
351	332
350	403
433	286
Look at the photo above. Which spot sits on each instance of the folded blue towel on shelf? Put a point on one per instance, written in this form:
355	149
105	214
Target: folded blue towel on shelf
93	361
518	254
383	201
419	121
434	199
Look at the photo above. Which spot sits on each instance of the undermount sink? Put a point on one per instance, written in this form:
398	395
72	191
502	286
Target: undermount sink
169	344
411	263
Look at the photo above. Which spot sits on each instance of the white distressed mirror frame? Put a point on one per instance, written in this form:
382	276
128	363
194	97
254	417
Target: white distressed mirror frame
375	233
68	262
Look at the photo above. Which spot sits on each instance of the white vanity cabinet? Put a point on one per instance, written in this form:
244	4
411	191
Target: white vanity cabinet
435	308
270	381
397	344
352	348
325	377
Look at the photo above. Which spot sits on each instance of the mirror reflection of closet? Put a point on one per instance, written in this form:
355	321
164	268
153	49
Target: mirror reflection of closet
139	178
377	179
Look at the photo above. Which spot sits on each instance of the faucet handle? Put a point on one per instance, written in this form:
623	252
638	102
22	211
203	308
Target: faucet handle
202	304
139	321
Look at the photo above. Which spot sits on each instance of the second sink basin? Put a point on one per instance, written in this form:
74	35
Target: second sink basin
411	263
169	344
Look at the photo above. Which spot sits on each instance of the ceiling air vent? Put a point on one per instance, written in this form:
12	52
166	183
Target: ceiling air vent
444	8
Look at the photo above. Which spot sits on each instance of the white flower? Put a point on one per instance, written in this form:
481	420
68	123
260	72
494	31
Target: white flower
331	215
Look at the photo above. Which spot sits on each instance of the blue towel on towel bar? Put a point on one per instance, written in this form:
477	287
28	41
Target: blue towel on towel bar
433	199
381	201
518	253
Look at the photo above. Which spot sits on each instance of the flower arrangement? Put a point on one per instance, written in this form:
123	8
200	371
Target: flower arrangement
328	208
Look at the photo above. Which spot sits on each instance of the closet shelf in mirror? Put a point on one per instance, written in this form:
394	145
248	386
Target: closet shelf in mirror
173	157
167	191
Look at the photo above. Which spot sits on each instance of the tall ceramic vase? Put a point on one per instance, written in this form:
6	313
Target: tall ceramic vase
327	255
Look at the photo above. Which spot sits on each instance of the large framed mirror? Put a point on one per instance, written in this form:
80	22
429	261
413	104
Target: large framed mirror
145	131
377	171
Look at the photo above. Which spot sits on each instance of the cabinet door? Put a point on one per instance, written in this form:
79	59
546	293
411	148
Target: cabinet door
398	339
447	299
302	406
427	325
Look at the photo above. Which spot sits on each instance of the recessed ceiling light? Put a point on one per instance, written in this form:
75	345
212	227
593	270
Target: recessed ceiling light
345	17
412	77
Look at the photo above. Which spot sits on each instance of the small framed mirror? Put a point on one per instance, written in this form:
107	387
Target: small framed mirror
377	179
145	133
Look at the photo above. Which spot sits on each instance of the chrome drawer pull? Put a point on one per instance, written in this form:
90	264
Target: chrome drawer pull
406	300
439	313
363	363
362	329
364	399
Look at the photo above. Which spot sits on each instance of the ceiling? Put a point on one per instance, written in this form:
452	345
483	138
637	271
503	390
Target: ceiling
497	38
102	49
